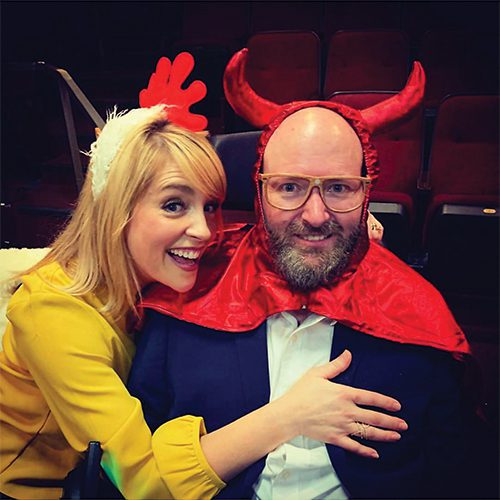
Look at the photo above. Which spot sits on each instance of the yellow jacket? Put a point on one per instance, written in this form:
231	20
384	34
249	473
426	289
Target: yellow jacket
62	374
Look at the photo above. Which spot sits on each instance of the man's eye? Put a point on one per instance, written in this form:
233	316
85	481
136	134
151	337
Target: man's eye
289	187
339	188
211	207
174	206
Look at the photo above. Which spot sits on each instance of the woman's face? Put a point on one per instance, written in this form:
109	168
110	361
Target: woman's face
170	229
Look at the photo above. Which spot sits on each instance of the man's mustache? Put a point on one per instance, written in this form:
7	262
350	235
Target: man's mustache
303	228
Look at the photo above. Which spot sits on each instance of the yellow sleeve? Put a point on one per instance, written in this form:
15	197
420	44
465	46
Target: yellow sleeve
79	362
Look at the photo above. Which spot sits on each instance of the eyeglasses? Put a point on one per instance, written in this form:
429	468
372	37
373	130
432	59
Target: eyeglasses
290	192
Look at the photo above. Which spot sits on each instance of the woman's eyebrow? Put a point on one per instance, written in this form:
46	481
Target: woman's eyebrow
179	187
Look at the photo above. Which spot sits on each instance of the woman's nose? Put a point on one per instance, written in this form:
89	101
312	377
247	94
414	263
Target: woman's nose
198	227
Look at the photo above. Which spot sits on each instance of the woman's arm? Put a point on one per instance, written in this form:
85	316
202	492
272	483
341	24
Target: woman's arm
79	364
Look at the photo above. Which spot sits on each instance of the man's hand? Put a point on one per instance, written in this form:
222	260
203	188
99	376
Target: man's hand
330	412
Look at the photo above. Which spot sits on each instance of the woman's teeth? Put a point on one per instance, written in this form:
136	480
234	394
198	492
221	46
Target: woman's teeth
186	254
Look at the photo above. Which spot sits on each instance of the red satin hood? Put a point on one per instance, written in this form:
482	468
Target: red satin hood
381	296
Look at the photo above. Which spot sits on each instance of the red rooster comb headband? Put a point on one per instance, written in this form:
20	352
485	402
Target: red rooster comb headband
260	112
163	98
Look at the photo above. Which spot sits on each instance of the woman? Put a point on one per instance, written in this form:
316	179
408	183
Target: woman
66	352
148	210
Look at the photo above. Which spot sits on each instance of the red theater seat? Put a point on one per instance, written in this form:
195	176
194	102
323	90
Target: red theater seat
461	227
400	156
366	60
458	61
284	66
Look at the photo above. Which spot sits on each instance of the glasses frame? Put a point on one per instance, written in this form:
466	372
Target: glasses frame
314	182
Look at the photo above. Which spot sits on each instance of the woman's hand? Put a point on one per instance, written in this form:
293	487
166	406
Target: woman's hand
313	407
375	228
330	412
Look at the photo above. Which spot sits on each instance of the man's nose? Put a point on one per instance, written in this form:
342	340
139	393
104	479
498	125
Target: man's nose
314	210
198	227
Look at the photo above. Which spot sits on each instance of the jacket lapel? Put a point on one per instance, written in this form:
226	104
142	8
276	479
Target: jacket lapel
251	352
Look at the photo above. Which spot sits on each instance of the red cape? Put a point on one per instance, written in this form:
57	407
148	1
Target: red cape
377	294
382	296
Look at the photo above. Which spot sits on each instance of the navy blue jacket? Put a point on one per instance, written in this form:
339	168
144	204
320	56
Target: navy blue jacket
181	368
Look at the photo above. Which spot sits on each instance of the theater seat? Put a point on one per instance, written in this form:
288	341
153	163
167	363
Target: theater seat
284	66
238	155
458	61
393	199
461	226
366	60
88	479
461	230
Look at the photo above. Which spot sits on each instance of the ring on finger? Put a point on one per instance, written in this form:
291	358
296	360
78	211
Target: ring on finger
361	430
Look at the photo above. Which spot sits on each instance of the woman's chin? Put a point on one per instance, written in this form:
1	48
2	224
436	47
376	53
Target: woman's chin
183	286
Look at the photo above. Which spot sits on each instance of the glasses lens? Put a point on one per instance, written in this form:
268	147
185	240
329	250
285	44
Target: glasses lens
287	193
343	194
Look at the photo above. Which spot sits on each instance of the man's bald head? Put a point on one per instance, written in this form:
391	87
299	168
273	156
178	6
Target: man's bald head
314	137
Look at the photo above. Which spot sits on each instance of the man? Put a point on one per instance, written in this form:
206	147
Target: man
295	291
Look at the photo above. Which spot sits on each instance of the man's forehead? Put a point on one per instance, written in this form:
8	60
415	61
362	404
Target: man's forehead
314	132
307	118
315	123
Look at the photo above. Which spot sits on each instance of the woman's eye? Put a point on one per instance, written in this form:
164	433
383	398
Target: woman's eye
211	207
174	206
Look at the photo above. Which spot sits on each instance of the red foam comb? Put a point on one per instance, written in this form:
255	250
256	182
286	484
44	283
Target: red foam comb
164	87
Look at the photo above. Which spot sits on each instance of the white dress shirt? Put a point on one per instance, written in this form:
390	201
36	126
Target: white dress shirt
298	469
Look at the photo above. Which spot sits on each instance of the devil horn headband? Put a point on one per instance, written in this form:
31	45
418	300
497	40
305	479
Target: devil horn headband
260	112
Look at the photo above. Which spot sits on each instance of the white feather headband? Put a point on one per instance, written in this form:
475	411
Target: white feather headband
104	150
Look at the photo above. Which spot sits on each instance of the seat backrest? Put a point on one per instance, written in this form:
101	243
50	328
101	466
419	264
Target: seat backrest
399	149
238	155
464	155
284	66
458	61
366	60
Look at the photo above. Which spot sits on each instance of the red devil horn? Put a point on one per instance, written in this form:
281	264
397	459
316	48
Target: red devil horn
388	113
242	98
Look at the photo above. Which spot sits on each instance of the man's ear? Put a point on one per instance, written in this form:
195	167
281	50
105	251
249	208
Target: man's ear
97	132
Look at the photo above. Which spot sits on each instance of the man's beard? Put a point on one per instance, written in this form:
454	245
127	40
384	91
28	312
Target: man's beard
307	274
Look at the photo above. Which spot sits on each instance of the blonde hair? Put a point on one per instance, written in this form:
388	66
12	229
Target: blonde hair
92	248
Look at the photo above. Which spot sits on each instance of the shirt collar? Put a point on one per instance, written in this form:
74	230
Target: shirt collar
309	321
